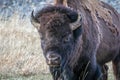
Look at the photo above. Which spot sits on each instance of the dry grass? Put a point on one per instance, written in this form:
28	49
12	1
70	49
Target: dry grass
20	52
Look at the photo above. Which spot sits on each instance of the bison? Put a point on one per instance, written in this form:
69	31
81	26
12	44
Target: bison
78	38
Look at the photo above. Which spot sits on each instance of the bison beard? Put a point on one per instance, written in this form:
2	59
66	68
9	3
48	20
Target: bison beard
77	48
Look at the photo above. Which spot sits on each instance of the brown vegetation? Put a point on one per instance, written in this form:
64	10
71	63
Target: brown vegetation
20	52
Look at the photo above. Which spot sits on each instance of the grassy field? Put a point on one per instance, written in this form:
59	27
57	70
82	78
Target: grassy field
20	53
35	77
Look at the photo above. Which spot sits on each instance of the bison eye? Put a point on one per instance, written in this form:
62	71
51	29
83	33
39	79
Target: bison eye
67	38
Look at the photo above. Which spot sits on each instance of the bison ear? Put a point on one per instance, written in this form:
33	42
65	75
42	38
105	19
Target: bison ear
34	21
77	22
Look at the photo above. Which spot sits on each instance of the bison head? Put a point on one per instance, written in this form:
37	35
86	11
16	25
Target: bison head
57	27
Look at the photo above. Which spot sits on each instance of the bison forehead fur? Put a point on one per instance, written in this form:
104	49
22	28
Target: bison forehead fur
71	14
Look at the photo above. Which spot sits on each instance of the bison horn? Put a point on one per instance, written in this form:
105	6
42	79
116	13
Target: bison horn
77	23
34	21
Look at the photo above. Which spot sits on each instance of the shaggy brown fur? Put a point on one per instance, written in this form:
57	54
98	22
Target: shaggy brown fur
85	50
103	15
107	20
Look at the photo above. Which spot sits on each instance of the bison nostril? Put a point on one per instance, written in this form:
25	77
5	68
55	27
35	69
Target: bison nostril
53	59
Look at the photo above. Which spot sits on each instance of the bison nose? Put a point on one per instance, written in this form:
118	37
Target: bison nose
53	59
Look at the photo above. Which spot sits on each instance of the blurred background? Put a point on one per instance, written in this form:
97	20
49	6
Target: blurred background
20	53
24	7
